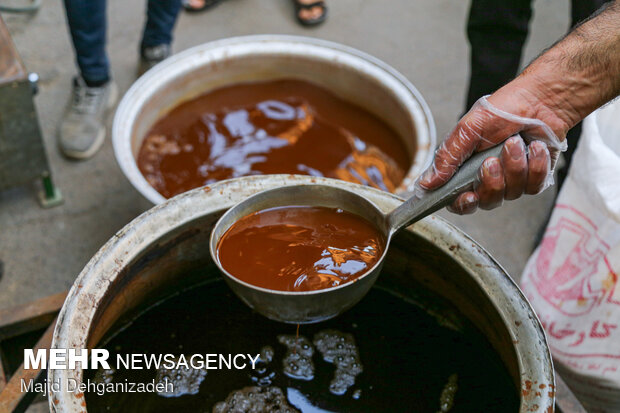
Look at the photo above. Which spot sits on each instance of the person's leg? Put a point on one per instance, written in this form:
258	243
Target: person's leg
82	128
496	30
157	36
161	17
87	25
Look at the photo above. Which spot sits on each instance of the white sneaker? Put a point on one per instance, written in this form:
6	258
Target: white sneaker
82	128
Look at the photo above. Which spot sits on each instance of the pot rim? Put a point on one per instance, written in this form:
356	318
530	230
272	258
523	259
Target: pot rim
75	318
188	60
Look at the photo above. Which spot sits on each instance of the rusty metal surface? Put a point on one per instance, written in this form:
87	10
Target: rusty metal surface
12	399
3	376
31	316
106	289
20	320
11	66
351	74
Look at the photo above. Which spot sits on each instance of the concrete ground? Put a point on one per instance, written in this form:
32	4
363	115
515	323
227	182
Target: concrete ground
44	250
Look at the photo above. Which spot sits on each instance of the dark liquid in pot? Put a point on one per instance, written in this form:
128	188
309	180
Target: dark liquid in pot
282	126
405	359
300	248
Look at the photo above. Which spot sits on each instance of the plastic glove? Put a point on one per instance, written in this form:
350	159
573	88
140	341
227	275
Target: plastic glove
520	168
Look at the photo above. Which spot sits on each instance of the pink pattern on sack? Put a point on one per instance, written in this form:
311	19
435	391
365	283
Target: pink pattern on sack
568	278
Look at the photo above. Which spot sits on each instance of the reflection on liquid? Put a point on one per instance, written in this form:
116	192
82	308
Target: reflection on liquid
297	363
446	400
407	357
183	381
299	400
336	347
255	400
262	375
340	349
104	375
284	126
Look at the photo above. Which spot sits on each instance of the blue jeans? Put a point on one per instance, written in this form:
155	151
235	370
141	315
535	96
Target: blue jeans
87	24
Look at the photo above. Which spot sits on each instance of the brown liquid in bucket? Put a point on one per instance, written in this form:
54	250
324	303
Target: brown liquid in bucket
272	127
385	354
300	248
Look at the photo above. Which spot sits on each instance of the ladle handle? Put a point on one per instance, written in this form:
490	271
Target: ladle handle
427	202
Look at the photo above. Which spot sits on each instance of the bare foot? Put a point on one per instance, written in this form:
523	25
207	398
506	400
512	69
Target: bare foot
194	4
199	5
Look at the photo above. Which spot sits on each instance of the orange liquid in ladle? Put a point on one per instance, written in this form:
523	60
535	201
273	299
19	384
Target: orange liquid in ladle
300	248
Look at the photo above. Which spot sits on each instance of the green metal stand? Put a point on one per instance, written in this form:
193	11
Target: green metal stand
50	196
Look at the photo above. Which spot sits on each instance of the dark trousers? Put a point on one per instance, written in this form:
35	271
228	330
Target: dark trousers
497	30
87	24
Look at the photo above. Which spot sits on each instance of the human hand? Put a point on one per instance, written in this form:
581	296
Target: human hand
519	169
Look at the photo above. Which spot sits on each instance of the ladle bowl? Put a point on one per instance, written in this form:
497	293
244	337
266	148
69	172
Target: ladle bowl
303	307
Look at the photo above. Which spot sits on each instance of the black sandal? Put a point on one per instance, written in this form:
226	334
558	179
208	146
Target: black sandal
206	6
310	22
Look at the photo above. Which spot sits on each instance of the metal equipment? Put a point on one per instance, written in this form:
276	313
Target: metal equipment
22	152
165	250
348	73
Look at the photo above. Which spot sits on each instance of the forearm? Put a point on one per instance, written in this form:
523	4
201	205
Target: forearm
574	77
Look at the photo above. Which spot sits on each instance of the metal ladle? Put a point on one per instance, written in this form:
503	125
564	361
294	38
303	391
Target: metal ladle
303	307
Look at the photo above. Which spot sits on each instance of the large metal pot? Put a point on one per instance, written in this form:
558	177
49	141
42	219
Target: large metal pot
349	73
154	254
